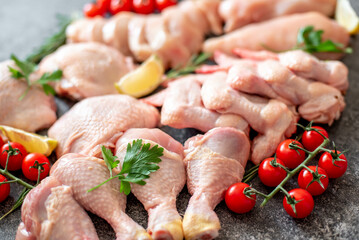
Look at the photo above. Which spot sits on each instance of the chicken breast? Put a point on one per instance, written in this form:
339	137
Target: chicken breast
279	34
34	112
89	69
238	13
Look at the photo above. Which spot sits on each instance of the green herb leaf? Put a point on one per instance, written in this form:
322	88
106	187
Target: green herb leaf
50	77
18	203
192	65
52	43
16	73
310	40
109	159
139	162
26	67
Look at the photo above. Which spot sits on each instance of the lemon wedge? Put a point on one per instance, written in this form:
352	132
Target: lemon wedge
346	16
31	141
143	80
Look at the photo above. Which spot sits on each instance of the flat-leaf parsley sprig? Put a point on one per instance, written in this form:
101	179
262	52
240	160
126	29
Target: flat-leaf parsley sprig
139	162
26	68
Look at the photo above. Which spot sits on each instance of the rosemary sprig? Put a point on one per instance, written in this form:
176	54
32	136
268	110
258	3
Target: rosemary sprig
192	65
52	43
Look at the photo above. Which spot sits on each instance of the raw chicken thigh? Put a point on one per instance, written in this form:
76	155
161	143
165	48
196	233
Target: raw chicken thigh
89	69
238	13
100	121
162	188
279	34
214	161
50	212
34	112
82	173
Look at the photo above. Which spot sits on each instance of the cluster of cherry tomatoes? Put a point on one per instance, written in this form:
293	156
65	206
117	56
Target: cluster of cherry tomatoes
21	160
101	7
312	180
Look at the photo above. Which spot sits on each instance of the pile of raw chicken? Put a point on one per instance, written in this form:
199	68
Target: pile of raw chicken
249	88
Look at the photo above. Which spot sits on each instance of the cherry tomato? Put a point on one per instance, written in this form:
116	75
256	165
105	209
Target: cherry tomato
329	162
30	172
120	5
92	10
269	175
237	201
311	139
143	6
1	142
103	5
291	157
4	188
305	179
303	201
15	161
162	4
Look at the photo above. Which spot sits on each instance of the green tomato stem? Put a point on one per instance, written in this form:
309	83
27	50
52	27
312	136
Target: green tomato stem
294	171
9	175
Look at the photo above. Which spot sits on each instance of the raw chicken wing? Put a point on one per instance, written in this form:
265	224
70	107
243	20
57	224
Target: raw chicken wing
182	107
162	188
238	13
34	112
214	161
100	121
279	34
82	173
89	69
49	211
270	118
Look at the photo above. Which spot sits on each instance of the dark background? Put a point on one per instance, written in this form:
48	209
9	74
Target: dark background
25	24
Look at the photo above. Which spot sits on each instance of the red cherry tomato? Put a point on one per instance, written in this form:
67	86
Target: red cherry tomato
92	10
291	157
143	6
269	175
305	179
329	162
15	161
311	139
120	5
103	5
1	142
237	201
162	4
30	172
304	203
4	188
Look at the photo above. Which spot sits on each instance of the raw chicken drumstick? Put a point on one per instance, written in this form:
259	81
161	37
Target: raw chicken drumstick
317	101
279	34
89	69
162	188
238	13
174	35
270	118
49	211
303	64
82	173
214	161
100	121
182	107
34	112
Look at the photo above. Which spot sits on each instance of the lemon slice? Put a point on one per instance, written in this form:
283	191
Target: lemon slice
346	16
31	141
143	80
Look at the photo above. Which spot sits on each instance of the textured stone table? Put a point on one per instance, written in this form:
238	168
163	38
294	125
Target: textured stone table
24	25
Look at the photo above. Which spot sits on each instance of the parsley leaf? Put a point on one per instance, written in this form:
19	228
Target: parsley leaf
26	68
192	65
139	162
310	40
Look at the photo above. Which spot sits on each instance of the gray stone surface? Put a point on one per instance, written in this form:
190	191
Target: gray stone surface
23	26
